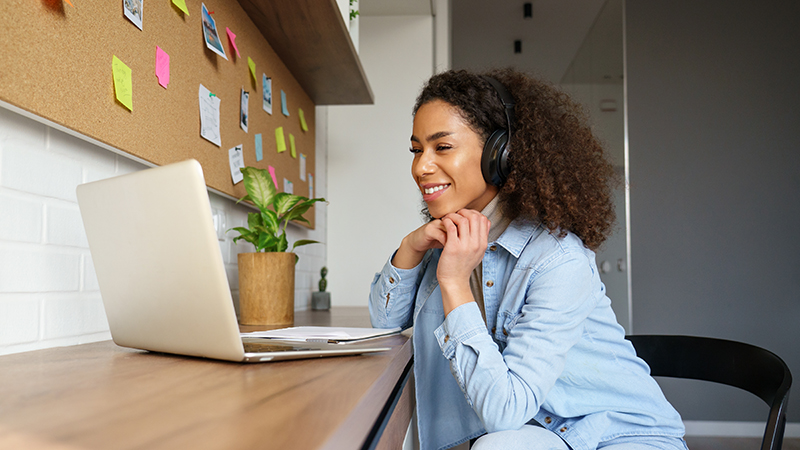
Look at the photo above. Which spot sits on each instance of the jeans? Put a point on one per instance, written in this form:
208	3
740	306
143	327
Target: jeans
532	437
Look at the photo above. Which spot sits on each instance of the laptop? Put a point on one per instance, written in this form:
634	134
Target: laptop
161	274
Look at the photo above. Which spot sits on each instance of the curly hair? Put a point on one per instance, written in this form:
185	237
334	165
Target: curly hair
559	174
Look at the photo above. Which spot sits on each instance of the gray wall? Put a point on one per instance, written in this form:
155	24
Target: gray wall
714	115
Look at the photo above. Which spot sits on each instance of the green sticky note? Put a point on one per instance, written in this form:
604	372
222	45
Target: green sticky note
303	124
123	87
252	65
291	144
181	4
280	140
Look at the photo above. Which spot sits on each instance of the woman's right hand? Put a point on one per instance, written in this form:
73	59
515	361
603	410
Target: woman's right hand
413	248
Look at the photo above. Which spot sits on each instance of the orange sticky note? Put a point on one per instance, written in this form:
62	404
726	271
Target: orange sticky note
123	87
69	3
280	140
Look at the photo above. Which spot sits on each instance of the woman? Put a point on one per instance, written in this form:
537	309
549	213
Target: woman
513	333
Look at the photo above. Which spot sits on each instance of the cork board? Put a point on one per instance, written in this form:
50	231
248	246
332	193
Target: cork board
56	63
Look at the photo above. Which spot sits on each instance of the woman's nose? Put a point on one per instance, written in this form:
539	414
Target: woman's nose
425	164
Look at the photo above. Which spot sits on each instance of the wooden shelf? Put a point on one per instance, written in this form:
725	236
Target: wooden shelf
311	38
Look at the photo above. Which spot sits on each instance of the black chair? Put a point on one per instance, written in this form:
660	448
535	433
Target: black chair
745	366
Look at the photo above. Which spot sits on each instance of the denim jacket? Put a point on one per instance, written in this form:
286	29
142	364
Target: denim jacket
551	349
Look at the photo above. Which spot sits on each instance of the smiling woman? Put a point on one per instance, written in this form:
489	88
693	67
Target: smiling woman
513	333
447	161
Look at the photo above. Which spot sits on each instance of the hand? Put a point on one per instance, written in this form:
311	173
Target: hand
413	248
467	237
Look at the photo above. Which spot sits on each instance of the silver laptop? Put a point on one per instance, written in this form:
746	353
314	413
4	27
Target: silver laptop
161	273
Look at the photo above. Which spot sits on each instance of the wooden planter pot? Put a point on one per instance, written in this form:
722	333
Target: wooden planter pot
266	288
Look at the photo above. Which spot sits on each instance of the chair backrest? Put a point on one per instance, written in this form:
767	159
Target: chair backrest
745	366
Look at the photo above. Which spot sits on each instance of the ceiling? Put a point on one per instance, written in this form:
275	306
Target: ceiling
483	32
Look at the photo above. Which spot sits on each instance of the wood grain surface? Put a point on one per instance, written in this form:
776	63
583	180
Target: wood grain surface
101	396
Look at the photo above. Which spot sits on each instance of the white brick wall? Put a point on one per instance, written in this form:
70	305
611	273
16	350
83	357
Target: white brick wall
48	289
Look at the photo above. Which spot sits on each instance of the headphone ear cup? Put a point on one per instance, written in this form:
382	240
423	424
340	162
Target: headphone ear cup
494	161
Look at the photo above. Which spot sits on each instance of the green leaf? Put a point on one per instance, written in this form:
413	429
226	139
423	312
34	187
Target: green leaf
259	186
301	208
241	230
285	202
283	243
245	198
271	222
300	242
267	243
254	220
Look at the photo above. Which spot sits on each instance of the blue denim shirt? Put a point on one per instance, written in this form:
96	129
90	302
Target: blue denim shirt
551	349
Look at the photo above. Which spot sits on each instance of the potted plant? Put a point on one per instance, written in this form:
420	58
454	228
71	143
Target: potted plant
321	299
266	277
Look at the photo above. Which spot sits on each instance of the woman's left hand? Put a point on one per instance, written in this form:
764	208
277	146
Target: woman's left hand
467	237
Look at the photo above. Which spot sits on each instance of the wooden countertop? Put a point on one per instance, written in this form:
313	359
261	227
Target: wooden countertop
101	396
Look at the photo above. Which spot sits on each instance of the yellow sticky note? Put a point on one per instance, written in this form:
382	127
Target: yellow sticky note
303	124
291	144
252	66
123	87
280	140
181	4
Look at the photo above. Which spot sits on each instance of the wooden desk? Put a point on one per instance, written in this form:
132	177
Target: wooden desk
101	396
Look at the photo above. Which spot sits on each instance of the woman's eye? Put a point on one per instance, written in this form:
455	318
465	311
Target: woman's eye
443	147
415	150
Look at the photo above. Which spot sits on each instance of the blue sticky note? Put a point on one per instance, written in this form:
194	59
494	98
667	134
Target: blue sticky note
259	149
284	108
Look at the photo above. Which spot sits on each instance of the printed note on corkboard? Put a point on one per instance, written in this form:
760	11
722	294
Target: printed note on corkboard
58	64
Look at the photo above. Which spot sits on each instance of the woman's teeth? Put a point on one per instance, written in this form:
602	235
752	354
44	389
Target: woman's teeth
435	189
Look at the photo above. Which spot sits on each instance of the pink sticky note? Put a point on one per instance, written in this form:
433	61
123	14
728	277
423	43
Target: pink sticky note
162	66
232	38
274	178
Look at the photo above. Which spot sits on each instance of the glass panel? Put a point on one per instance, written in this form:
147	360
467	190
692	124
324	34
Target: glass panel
595	78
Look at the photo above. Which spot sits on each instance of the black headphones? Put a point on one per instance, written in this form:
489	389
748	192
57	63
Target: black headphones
494	162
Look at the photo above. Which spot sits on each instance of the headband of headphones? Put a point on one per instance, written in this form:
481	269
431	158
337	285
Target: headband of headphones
506	98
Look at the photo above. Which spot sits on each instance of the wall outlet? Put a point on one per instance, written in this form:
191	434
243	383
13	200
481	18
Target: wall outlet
219	222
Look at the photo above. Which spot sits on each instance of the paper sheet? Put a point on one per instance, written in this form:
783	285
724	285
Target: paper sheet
133	11
323	334
236	159
266	101
210	33
244	114
209	115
